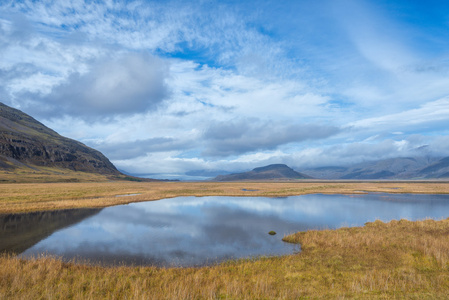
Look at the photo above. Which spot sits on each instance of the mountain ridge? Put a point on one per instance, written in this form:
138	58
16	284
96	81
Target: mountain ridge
391	168
27	143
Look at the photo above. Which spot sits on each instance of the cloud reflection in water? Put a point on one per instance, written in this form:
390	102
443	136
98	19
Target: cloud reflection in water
191	231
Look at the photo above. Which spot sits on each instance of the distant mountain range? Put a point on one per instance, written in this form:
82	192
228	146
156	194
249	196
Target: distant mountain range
393	168
401	168
271	172
27	143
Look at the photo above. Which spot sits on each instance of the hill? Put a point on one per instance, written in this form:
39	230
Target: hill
29	146
270	172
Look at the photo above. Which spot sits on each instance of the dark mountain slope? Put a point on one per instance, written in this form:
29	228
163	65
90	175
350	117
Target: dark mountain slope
271	172
25	142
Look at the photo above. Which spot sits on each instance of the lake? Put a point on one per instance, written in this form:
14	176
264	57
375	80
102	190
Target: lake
196	231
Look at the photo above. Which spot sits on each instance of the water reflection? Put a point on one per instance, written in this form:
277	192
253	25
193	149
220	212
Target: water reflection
19	232
172	232
190	231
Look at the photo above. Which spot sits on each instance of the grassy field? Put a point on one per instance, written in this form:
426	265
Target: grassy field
42	174
399	259
47	174
25	197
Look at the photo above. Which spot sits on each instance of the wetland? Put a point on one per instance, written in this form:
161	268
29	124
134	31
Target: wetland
198	231
375	260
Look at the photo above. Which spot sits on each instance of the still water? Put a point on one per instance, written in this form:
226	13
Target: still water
192	231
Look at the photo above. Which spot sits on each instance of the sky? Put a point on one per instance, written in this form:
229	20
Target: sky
172	87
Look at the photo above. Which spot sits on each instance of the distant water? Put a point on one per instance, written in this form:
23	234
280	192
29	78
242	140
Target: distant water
180	177
194	231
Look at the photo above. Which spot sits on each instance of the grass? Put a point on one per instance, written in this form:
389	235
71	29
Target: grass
26	197
43	174
399	259
48	175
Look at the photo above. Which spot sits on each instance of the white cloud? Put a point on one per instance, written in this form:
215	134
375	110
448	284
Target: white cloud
236	137
425	115
133	83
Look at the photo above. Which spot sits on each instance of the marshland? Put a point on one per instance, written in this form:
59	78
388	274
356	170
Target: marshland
393	259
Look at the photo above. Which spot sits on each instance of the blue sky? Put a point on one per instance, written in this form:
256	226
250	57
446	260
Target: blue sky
172	86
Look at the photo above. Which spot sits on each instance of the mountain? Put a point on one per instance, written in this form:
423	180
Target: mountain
271	172
392	168
26	143
439	169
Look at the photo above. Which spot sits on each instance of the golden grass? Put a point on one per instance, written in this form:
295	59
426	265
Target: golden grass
399	259
48	174
25	197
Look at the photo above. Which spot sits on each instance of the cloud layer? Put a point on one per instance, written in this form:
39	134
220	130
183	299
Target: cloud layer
243	136
168	87
134	83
